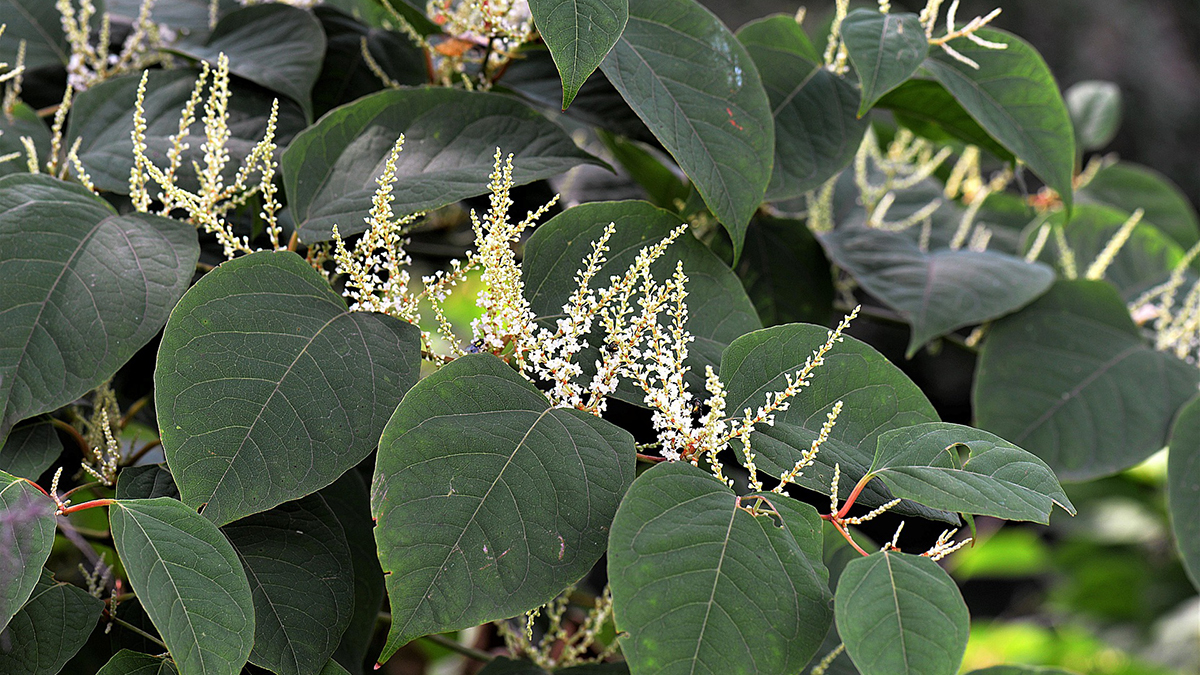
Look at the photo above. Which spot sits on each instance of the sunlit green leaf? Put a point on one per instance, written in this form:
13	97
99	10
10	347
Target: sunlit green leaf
900	613
49	629
701	583
26	536
300	574
690	80
885	49
1095	108
189	580
921	463
579	34
817	130
488	502
85	288
451	137
243	434
876	397
936	291
1128	187
1071	379
1012	95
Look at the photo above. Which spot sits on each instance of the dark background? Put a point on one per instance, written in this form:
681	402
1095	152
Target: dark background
1150	48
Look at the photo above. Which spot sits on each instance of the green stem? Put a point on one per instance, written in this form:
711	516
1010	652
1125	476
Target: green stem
125	624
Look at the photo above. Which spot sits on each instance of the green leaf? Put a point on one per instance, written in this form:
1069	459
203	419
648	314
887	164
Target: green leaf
928	110
127	662
451	136
245	435
817	130
699	582
1070	379
939	291
901	613
49	629
1145	260
188	579
300	574
999	479
885	49
189	17
718	309
1014	97
23	122
146	482
1095	108
876	396
1128	187
696	88
579	34
88	288
26	535
30	449
488	502
39	24
351	503
333	668
1183	487
785	272
102	116
274	45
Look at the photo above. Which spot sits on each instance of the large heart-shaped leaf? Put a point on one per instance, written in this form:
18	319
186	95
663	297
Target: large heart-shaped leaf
921	463
885	49
39	25
49	629
1071	379
351	504
146	482
1183	487
579	34
188	579
128	662
700	582
718	309
30	449
1128	187
102	116
901	613
699	92
84	289
1012	95
817	130
451	137
267	389
488	502
876	397
26	535
296	560
273	45
938	291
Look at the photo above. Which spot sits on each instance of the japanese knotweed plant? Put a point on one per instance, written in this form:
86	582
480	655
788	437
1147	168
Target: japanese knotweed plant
321	401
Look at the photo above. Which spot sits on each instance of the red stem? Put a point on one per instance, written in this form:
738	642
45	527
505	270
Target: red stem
850	539
88	505
858	488
651	458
